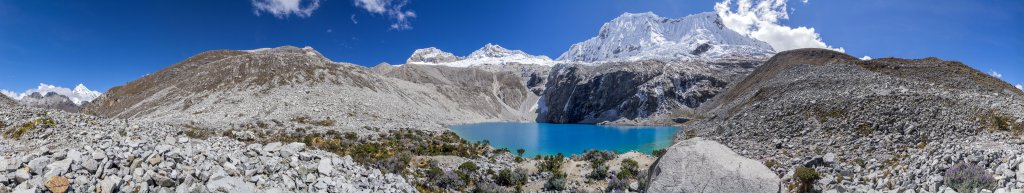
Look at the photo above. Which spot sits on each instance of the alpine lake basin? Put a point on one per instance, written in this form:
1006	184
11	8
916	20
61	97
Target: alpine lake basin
568	139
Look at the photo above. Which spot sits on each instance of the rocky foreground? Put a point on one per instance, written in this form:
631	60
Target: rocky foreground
61	152
826	121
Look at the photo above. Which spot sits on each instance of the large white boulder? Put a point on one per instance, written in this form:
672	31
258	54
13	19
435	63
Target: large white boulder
698	165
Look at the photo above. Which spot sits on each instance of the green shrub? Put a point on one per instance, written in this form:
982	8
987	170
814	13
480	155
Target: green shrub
806	177
659	152
508	177
598	172
469	167
552	164
629	169
690	133
617	185
556	182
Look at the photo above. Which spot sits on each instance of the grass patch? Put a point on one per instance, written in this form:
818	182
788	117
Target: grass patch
327	122
1000	122
21	130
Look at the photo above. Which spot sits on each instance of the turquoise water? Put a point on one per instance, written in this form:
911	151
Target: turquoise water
550	139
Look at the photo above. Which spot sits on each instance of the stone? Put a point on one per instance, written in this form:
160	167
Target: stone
22	175
164	181
98	155
698	165
325	167
829	158
292	149
156	159
230	185
272	147
57	168
24	188
57	184
1020	172
108	185
38	165
90	165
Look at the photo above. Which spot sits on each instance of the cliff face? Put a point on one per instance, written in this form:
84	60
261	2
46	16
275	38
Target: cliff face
51	101
649	91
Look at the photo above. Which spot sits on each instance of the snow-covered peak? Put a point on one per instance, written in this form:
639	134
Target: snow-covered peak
431	55
79	95
490	54
639	36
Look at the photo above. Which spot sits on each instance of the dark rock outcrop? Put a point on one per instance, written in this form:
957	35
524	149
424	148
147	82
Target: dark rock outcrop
649	91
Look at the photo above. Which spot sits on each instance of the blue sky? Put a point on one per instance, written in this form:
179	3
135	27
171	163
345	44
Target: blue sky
111	42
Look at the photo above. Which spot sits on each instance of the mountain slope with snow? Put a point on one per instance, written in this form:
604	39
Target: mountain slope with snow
644	36
490	54
79	95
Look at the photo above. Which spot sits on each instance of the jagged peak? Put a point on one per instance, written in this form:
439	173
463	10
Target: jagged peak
641	36
488	54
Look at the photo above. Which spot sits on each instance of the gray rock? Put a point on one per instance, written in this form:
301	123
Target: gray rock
325	167
22	175
38	165
109	185
829	158
230	185
698	165
164	181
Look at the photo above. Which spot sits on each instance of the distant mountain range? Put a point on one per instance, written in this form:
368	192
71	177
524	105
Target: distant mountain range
640	69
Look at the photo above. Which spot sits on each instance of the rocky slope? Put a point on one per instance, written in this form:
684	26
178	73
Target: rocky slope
882	124
293	87
52	100
108	155
646	36
645	69
475	90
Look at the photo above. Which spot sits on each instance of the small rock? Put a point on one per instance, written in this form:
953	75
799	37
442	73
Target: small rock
325	167
108	185
829	158
57	184
22	175
164	181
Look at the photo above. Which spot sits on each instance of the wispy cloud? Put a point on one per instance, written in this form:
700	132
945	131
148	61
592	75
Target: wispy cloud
995	74
354	21
394	9
759	19
285	8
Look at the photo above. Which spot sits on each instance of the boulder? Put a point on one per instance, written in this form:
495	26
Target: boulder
57	184
698	165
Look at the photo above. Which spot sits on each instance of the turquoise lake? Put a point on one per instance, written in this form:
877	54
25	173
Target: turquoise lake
551	139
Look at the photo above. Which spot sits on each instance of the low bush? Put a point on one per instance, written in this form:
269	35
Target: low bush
617	185
806	177
659	152
556	182
598	172
552	164
468	167
508	177
629	169
965	177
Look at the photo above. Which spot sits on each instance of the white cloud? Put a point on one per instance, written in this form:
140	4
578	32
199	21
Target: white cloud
78	95
759	19
390	8
995	74
1019	86
865	58
284	8
354	19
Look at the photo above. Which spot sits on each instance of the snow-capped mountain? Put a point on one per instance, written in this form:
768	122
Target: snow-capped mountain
490	54
79	95
641	36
